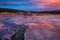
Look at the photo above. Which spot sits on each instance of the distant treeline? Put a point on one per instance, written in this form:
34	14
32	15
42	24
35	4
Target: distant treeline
10	10
27	12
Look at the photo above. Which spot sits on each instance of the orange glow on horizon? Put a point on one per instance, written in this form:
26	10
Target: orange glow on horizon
51	1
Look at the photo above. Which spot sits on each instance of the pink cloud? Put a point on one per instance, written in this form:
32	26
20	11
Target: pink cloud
50	1
55	4
41	5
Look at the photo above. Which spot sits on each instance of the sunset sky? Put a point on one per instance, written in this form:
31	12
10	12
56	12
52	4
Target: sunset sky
31	5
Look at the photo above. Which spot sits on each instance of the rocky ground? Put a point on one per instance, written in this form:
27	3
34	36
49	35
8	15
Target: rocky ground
45	27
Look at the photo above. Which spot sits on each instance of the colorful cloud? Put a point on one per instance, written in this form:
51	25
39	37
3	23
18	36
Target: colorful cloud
32	4
55	4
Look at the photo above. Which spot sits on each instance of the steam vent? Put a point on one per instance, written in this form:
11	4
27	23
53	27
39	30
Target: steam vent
29	25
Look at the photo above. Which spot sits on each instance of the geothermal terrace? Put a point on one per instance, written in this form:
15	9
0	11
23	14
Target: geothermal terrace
40	27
